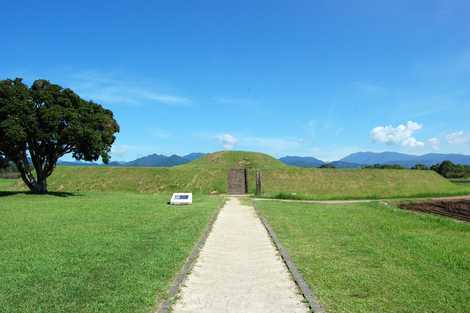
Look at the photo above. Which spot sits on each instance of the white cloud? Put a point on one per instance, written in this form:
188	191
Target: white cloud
271	145
228	141
459	138
434	143
400	135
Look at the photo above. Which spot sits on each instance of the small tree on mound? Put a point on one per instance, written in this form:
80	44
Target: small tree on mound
41	123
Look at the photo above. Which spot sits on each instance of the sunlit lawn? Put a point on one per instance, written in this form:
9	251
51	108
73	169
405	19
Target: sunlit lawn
93	252
375	258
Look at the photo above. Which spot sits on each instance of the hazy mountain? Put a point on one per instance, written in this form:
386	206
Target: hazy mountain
354	160
406	160
158	160
370	158
194	156
153	160
301	161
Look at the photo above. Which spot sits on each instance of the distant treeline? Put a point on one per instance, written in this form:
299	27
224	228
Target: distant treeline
451	170
8	169
446	169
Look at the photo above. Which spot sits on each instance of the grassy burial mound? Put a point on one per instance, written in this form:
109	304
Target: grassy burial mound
319	184
237	159
209	175
206	175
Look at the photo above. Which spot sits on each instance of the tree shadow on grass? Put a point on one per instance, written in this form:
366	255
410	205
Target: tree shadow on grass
52	193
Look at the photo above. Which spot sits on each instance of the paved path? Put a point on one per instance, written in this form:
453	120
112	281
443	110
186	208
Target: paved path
239	270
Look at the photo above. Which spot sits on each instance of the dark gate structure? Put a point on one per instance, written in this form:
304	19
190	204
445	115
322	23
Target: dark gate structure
237	181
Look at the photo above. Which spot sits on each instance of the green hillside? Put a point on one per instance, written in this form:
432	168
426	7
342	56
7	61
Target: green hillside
236	159
320	184
209	175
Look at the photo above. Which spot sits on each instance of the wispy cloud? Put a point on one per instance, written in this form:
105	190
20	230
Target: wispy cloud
120	151
110	88
271	145
458	138
434	143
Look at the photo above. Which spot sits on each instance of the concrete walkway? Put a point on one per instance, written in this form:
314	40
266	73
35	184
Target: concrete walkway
239	270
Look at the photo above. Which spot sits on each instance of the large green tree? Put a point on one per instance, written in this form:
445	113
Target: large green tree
41	123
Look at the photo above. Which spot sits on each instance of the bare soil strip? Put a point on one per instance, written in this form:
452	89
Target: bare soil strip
458	209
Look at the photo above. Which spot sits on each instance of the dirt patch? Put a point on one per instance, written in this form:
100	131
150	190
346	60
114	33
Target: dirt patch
458	209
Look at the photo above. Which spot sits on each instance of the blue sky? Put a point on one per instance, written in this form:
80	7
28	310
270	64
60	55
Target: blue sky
318	78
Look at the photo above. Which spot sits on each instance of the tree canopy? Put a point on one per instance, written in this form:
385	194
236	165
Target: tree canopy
41	123
451	170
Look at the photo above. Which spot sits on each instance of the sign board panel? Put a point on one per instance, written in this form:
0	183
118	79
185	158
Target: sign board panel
181	198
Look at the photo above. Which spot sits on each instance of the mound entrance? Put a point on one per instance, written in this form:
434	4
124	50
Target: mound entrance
237	181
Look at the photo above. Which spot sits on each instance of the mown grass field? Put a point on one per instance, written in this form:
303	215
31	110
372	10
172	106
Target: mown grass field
462	181
94	252
365	258
4	183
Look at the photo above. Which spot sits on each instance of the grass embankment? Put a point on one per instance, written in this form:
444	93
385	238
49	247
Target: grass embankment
94	252
345	184
206	175
209	175
375	258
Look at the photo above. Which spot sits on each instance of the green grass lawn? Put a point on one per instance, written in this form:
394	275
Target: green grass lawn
376	258
463	181
4	183
94	252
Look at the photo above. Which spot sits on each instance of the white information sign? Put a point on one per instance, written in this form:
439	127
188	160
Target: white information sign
181	198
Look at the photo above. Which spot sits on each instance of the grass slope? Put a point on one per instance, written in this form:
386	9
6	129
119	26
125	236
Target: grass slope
372	258
209	175
93	252
236	159
206	175
328	184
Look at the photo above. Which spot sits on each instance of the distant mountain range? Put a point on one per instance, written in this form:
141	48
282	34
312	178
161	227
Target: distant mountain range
405	160
152	160
355	160
301	161
361	159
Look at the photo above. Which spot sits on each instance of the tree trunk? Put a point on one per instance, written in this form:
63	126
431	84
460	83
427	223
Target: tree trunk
40	187
42	166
